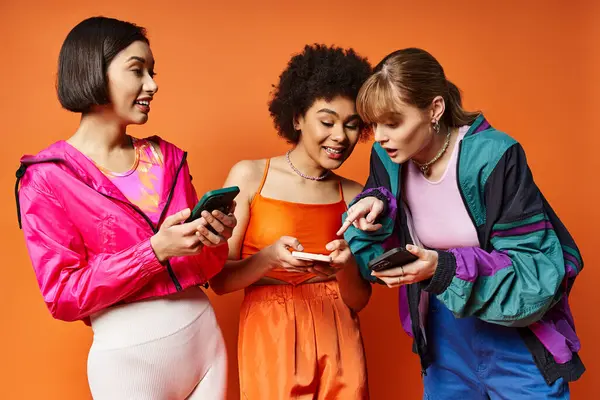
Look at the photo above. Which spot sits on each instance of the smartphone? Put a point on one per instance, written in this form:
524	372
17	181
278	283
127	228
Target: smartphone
219	199
311	257
391	259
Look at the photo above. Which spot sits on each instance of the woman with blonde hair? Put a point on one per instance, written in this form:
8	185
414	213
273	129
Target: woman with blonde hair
486	295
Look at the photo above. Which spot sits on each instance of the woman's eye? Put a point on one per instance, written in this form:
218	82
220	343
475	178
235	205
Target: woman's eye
352	127
137	71
327	124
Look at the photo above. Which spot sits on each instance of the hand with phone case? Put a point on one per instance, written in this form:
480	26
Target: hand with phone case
221	200
175	238
216	227
214	211
405	266
393	258
210	223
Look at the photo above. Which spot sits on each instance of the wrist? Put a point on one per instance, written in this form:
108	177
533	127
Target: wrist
436	260
269	258
442	275
158	248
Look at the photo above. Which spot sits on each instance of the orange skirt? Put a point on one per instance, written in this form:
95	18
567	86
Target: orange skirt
300	342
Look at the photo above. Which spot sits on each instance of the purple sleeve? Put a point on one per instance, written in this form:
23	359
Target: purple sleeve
472	262
467	264
390	205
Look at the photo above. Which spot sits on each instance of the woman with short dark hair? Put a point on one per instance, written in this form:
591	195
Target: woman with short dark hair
104	214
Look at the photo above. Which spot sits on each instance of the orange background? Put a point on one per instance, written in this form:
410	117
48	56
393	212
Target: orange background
530	66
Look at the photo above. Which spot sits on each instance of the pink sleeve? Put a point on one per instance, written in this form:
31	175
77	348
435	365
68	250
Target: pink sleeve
208	262
72	284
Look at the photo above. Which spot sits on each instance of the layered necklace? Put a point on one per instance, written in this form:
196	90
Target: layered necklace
296	170
425	167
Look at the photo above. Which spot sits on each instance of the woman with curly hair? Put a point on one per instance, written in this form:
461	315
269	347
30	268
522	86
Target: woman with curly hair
299	330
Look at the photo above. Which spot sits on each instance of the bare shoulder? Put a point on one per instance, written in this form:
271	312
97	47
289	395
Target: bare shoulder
351	188
246	174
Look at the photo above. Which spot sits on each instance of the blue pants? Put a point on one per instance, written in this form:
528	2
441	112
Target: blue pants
476	360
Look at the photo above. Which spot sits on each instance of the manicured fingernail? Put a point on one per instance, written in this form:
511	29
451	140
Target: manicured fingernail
300	247
329	247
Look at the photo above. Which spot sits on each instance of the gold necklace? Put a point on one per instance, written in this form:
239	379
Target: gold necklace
425	167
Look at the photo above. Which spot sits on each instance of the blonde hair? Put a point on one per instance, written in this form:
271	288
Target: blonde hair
415	77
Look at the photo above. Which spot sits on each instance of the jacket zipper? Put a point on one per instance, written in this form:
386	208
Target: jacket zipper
162	215
409	240
155	228
151	224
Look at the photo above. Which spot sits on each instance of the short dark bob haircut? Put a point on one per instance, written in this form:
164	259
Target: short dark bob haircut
319	72
84	59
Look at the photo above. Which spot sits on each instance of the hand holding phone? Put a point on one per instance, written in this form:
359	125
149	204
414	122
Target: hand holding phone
401	266
391	259
174	238
216	200
279	255
214	229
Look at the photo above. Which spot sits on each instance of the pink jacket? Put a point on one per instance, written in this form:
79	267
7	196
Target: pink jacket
89	246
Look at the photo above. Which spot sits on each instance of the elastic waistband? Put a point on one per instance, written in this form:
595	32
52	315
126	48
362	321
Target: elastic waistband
147	320
307	291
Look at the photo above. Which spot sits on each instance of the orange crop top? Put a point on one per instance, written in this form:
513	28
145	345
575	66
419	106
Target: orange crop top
314	225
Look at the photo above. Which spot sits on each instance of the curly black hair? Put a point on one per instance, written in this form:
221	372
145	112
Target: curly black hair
319	72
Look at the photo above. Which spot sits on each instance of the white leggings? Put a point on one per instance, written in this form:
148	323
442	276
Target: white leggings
169	348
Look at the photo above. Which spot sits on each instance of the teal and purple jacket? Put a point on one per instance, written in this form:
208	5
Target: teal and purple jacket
519	276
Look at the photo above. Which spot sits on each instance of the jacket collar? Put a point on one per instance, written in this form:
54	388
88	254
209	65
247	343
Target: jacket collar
85	170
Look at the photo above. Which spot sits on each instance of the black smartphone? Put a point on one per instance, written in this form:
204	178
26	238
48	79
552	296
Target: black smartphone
219	199
391	259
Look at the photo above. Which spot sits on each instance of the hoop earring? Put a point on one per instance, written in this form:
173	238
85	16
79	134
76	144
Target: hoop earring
436	126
